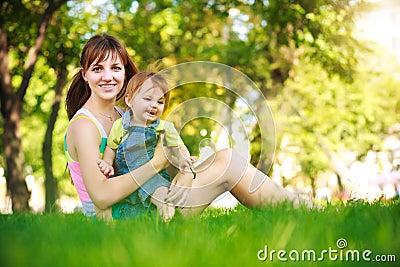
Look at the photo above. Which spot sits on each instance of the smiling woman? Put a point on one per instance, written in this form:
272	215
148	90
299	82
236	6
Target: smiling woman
105	68
90	103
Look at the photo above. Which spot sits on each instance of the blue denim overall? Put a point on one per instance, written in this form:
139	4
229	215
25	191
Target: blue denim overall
137	149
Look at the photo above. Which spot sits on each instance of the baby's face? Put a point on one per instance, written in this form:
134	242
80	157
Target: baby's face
148	104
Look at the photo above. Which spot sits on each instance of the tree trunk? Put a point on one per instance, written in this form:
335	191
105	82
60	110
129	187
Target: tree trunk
11	108
15	173
50	181
11	112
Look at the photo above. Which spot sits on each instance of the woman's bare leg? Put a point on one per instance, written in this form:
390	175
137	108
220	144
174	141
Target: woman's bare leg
229	171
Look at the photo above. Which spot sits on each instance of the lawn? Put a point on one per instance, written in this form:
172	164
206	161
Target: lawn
355	234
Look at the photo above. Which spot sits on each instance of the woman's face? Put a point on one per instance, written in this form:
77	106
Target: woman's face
106	78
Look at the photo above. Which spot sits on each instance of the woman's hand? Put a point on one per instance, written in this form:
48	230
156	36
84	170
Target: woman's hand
179	189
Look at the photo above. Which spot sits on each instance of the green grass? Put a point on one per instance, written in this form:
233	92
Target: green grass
215	238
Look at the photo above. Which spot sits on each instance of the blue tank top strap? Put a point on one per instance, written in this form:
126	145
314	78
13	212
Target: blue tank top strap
120	110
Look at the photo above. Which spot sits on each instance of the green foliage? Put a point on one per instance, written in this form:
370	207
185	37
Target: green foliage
347	117
300	53
216	238
19	20
190	131
60	50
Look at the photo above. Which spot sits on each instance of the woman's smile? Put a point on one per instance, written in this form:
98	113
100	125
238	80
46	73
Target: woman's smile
108	86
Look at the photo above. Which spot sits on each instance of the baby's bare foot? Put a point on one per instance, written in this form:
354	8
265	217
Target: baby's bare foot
167	211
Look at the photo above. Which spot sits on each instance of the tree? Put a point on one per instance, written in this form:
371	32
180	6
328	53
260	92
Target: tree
20	46
283	31
263	39
61	49
322	117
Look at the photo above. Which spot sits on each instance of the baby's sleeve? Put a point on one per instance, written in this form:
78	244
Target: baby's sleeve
116	135
172	137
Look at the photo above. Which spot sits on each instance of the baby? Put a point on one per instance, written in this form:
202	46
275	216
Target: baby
132	141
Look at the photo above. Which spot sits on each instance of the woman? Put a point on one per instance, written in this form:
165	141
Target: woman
105	69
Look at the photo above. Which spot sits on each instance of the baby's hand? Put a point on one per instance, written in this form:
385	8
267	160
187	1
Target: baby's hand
186	163
105	167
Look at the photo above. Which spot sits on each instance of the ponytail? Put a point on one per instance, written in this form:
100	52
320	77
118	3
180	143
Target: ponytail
78	93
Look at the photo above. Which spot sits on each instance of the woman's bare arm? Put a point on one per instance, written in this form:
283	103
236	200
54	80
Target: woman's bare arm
84	147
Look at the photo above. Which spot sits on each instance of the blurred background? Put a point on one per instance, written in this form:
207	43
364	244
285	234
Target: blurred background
328	68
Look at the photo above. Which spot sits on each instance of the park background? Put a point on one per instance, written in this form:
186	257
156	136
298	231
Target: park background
330	72
328	68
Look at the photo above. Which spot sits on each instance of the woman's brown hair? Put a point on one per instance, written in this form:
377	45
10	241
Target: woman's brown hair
97	49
